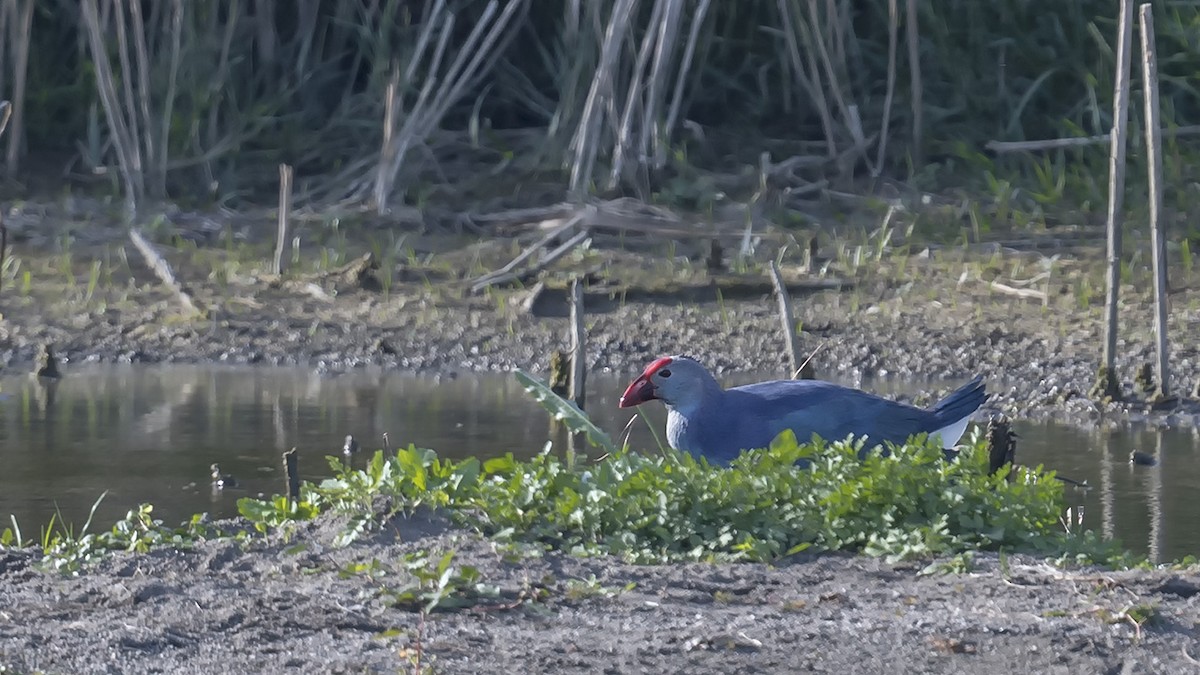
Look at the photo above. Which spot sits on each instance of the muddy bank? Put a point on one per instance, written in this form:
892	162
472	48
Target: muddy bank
917	310
285	605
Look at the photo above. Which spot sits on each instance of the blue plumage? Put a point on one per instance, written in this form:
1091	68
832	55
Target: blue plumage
718	424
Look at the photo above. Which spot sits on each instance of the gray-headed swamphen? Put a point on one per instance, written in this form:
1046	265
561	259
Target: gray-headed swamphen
716	423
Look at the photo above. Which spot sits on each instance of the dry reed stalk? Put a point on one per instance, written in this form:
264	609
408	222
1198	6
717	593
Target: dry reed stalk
654	133
142	59
20	72
1158	246
160	166
807	75
912	33
685	67
220	77
285	208
480	47
632	93
785	318
1116	196
124	139
893	39
127	82
585	142
817	36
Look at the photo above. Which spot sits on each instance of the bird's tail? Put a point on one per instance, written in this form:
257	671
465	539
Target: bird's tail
952	413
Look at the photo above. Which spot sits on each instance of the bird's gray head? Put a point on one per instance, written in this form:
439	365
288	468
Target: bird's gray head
677	381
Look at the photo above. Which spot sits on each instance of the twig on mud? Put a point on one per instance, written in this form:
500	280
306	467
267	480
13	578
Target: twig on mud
529	215
1024	293
354	274
1186	655
1077	141
507	273
163	270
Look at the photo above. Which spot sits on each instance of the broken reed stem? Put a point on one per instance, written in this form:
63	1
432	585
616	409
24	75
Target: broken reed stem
163	270
291	469
1116	197
785	317
578	344
285	209
1023	293
1154	161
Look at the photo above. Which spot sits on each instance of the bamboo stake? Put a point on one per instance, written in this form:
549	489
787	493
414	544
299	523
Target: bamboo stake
785	318
285	208
578	344
1107	384
1154	157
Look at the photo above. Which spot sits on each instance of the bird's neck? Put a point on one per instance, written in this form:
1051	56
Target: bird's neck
699	401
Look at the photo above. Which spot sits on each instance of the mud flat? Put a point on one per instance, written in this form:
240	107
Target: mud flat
918	310
290	605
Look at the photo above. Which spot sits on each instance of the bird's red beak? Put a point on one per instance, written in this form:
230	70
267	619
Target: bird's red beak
638	392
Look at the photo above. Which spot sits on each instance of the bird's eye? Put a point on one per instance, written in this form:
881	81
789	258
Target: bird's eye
664	373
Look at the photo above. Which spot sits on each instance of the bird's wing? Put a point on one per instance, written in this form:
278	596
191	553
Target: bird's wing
831	411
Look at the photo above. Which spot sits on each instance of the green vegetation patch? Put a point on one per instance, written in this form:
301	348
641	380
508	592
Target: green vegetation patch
670	506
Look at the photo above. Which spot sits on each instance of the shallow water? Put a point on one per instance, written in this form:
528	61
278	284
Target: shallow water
149	434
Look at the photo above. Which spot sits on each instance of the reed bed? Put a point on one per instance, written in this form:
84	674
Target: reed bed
379	103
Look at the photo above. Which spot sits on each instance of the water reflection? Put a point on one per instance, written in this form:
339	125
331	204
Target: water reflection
151	434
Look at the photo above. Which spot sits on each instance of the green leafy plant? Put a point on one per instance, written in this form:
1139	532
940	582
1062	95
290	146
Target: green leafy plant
429	584
565	411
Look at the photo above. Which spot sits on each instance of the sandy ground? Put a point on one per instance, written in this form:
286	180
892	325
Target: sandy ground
282	606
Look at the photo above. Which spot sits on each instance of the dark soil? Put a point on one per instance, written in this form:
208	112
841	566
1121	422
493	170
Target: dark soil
282	606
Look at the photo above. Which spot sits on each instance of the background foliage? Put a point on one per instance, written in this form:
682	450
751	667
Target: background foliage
209	96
